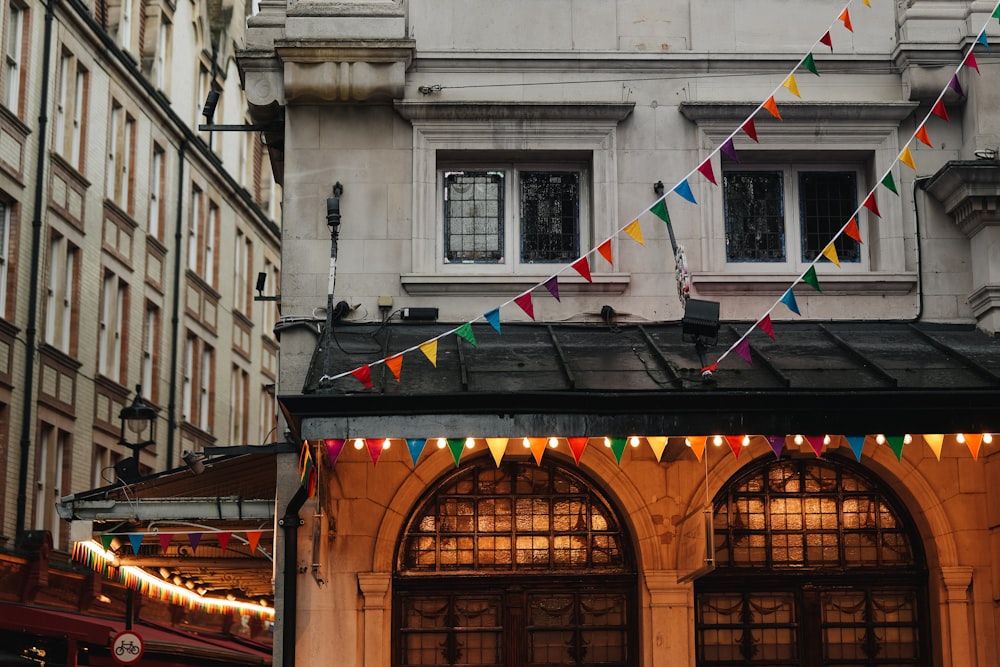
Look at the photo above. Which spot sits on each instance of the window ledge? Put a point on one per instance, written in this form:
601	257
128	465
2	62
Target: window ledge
437	284
870	284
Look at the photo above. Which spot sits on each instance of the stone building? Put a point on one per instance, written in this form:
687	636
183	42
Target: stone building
542	257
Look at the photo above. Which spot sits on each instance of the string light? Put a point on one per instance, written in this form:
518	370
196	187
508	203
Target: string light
607	442
798	439
386	444
687	442
717	441
880	439
826	439
987	438
526	443
907	439
359	443
746	441
470	443
960	438
553	442
441	443
634	441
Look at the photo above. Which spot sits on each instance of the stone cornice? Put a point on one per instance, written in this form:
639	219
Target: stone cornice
700	112
970	193
489	111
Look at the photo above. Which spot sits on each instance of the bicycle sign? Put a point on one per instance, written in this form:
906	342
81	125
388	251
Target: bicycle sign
126	647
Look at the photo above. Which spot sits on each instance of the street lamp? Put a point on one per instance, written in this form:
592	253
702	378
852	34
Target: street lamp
138	431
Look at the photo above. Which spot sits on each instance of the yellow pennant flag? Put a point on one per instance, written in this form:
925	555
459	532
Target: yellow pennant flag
657	443
697	443
830	253
430	350
907	158
934	441
791	85
498	446
635	231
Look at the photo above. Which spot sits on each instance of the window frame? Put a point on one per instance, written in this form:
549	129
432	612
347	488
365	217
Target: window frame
119	187
62	293
69	132
7	280
157	192
112	338
15	56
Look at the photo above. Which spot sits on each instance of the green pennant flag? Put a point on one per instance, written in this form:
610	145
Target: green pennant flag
456	445
660	210
465	331
896	445
810	278
996	12
890	183
618	447
106	541
810	65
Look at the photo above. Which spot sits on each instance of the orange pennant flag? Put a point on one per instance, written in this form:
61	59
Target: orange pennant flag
907	158
772	106
830	252
697	444
538	448
934	441
395	364
921	134
605	250
430	350
657	443
498	446
635	231
253	539
845	16
974	441
791	85
852	230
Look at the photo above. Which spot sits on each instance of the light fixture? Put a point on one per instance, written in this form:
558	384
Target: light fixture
470	443
960	438
138	430
746	441
798	439
907	439
211	102
717	441
987	438
195	461
359	444
553	442
700	325
634	441
386	444
880	439
441	443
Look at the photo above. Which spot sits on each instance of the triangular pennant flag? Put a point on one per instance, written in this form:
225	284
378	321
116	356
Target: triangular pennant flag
430	350
777	443
333	448
195	540
456	446
305	465
705	168
871	204
618	447
684	190
465	332
395	364
552	285
867	3
635	231
955	85
657	443
935	440
816	442
907	158
743	349
974	441
498	446
416	447
493	317
729	149
582	266
810	64
106	540
253	539
711	368
851	229
772	106
982	40
135	540
524	302
766	325
750	129
577	445
970	61
788	298
996	13
830	252
810	278
659	209
165	539
605	250
896	443
890	183
375	447
845	16
363	375
697	443
921	134
223	538
538	448
826	39
735	444
857	443
791	86
939	110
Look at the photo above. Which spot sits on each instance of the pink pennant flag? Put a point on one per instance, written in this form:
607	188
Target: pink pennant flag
772	107
395	364
921	134
852	229
845	16
524	301
826	39
552	285
750	129
970	61
743	349
730	150
872	205
363	375
165	542
253	539
939	110
224	540
605	250
333	448
767	326
583	268
706	170
816	442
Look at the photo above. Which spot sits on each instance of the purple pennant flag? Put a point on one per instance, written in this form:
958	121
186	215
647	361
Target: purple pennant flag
956	86
684	190
777	443
493	317
730	150
333	448
789	300
743	349
552	285
194	539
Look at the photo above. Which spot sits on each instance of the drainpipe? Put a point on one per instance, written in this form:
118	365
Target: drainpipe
290	522
175	316
36	262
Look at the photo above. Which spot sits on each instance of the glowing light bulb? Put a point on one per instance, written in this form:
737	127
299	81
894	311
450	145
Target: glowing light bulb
359	443
960	438
607	442
442	443
745	441
880	439
634	441
826	439
717	441
798	439
386	444
907	439
687	442
553	442
470	443
524	441
987	438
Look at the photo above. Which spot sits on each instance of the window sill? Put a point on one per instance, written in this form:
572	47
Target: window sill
504	285
870	284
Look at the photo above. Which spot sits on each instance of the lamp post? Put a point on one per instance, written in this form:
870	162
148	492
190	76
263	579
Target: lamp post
138	431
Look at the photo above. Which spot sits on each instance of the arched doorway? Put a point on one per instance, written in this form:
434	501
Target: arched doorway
817	564
517	566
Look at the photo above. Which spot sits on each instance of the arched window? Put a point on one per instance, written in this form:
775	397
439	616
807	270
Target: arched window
519	565
817	565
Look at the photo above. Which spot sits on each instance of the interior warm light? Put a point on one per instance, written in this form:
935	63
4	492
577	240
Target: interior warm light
634	441
907	439
880	439
798	439
553	442
359	443
746	441
470	443
717	441
960	438
826	439
526	443
442	443
607	442
987	438
386	444
687	441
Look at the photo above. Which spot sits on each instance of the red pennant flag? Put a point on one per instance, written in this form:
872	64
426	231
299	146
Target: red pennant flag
767	326
583	268
706	170
364	375
253	539
374	448
711	368
735	444
772	106
605	250
872	205
939	110
577	445
524	301
845	16
921	134
750	129
826	39
224	540
165	542
816	442
970	61
852	230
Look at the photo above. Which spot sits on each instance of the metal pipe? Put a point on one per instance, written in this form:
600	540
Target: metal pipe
290	522
175	306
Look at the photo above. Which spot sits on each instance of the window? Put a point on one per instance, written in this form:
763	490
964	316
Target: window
206	389
239	390
150	351
163	45
51	472
121	159
157	187
241	258
6	278
124	37
14	46
269	309
788	214
268	413
61	294
70	107
198	388
111	338
203	232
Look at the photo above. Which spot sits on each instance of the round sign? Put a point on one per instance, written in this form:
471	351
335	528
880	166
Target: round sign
126	647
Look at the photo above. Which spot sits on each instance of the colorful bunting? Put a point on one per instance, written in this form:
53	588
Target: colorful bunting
705	168
415	446
935	440
253	539
845	16
135	540
810	278
851	229
165	539
195	540
583	268
106	540
777	443
577	445
939	110
970	61
657	443
890	183
363	375
750	129
395	364
907	158
498	446
465	332
635	231
982	40
826	39
974	441
697	444
659	209
816	442
955	85
871	204
333	448
830	252
524	302
857	443
743	349
810	64
735	444
605	250
996	13
538	448
896	443
921	134
223	538
307	476
684	190
493	317
788	298
772	107
430	350
375	447
456	446
552	285
618	447
766	325
790	84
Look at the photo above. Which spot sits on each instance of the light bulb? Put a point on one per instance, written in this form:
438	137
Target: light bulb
553	442
746	441
880	439
960	438
687	442
607	442
987	438
442	443
359	443
826	439
524	441
907	439
717	441
798	439
470	443
634	441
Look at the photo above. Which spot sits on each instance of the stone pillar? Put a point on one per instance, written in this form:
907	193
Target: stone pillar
671	620
957	581
374	586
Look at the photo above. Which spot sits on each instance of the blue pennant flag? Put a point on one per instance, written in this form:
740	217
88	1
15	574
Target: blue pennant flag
856	442
982	40
493	317
416	447
684	190
789	300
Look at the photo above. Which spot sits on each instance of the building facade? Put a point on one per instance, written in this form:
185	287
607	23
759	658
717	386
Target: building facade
509	223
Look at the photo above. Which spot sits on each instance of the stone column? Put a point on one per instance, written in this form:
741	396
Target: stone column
374	586
957	580
671	620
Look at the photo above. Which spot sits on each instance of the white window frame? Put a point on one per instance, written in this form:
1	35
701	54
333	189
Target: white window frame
60	293
13	56
111	343
194	227
208	269
187	389
5	277
163	45
151	334
207	373
156	200
238	391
